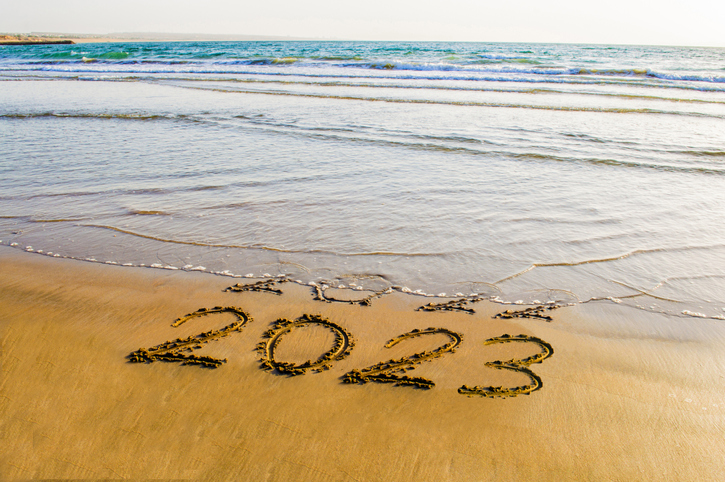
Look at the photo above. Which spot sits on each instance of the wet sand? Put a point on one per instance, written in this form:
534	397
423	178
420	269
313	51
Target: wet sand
626	395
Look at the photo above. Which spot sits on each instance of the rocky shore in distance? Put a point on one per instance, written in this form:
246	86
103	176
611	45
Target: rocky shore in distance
31	40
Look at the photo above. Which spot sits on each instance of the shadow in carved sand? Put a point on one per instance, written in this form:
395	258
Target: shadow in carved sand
176	350
455	305
391	370
516	365
341	348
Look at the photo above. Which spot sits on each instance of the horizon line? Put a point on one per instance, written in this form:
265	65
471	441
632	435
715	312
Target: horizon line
141	36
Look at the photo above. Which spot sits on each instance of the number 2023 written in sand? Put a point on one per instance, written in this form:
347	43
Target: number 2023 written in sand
390	371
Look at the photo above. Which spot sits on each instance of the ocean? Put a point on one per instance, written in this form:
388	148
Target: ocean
522	173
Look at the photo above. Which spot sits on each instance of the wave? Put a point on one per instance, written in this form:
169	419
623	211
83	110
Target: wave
342	134
528	156
536	157
98	193
59	220
550	220
468	140
31	219
552	71
271	61
484	66
64	115
629	254
110	58
208	188
609	110
143	212
512	61
132	192
702	153
368	85
165	117
620	163
336	57
88	72
260	247
121	58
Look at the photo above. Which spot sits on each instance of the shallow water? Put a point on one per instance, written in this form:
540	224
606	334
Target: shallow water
526	172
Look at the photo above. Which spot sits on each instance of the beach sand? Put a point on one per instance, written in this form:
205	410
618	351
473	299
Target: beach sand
626	395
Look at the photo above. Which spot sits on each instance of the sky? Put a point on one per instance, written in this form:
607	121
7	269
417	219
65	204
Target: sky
647	22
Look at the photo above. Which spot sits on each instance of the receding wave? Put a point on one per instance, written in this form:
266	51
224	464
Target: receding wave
65	194
97	193
515	76
58	220
208	188
703	153
678	100
619	163
610	110
147	212
527	156
531	156
82	115
629	254
31	219
368	85
260	247
549	220
468	140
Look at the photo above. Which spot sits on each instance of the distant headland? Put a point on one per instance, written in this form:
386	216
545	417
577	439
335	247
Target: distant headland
41	38
31	40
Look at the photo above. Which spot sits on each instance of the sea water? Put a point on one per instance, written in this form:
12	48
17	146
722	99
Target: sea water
524	173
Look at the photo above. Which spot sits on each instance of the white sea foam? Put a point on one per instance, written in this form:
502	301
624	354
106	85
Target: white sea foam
694	313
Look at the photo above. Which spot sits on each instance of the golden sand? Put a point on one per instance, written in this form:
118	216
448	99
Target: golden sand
624	396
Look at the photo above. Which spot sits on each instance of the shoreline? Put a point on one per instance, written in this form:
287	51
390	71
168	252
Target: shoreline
626	395
381	285
38	42
64	38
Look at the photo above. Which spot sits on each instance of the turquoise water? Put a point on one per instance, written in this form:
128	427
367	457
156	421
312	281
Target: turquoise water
522	172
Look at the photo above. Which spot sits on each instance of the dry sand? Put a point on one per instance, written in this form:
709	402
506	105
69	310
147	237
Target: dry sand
626	395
